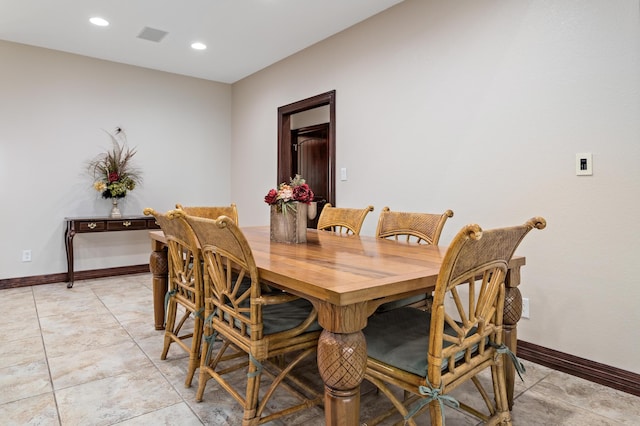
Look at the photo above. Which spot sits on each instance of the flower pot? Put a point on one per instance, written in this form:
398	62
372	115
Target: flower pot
289	225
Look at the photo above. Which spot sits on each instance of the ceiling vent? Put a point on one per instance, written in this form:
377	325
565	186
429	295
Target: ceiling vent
152	34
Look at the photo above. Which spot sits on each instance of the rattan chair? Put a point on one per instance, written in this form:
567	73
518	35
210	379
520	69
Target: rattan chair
420	228
211	212
429	354
255	328
184	291
342	220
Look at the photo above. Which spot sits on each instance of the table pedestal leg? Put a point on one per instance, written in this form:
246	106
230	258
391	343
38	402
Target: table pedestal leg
342	359
512	313
159	267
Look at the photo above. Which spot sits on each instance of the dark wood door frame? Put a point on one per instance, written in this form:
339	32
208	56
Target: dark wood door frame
285	166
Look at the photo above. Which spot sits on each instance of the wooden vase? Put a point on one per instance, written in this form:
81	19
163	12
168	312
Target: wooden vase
289	226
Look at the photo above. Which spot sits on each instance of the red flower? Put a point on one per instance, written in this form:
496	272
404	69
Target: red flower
286	194
113	177
271	197
303	193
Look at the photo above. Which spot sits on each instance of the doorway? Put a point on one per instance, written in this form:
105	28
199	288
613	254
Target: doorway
310	150
310	159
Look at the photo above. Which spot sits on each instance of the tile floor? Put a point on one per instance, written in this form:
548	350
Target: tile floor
90	356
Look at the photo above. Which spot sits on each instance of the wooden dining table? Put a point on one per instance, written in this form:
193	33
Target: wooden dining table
346	278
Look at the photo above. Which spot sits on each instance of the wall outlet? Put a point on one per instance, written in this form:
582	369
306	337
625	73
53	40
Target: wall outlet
26	255
525	307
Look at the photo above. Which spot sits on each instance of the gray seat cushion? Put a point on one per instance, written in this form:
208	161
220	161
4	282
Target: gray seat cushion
283	316
400	338
401	303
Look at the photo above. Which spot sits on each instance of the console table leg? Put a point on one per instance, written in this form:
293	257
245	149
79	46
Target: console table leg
68	243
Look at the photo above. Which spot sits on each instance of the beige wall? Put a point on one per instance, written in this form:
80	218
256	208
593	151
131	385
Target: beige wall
53	109
481	106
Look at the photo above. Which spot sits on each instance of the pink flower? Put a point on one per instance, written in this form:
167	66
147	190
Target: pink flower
285	193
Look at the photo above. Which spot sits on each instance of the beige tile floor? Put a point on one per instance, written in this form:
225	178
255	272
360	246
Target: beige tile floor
90	356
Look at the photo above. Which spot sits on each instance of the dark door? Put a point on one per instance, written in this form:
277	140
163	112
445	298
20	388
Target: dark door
310	159
312	150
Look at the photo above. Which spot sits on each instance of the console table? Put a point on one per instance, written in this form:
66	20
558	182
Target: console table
80	225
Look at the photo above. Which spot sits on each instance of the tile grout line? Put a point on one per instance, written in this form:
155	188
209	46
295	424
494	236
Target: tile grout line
46	357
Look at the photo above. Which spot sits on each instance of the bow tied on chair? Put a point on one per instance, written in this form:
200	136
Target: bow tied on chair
432	394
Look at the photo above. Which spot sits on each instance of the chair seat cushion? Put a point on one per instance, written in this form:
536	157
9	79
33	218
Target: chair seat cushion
288	315
400	338
284	316
281	316
401	303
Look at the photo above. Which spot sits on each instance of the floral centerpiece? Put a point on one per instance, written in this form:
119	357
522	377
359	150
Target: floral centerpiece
290	210
113	172
286	195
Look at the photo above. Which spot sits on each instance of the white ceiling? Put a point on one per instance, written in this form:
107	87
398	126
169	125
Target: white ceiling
243	36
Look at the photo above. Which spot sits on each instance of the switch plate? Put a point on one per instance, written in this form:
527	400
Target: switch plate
26	255
584	164
343	173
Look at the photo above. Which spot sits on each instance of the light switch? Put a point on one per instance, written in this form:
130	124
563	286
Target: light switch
343	173
584	164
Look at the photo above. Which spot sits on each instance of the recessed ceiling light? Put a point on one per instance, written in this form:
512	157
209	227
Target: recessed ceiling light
198	46
99	21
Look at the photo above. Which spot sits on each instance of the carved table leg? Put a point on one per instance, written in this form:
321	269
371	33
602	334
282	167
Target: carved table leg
342	359
68	244
159	267
512	313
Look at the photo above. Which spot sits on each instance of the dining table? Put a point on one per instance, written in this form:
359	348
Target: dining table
346	278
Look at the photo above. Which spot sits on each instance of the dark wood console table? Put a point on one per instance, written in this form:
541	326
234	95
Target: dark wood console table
80	225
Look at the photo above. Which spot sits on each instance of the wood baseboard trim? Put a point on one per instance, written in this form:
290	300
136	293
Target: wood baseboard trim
596	372
79	275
